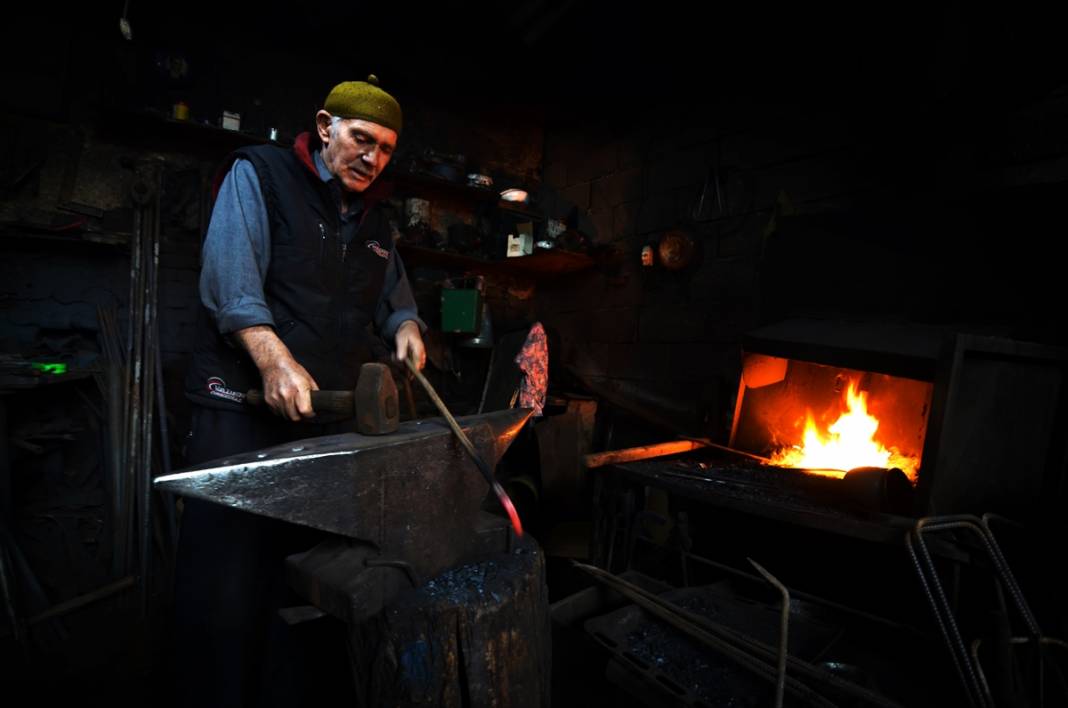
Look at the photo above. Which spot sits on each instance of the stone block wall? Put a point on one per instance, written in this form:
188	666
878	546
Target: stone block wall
919	242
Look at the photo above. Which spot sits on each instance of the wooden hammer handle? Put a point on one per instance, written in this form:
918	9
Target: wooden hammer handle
322	401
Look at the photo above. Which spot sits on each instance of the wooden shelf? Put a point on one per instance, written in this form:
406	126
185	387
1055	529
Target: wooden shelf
427	186
413	184
540	265
520	210
18	374
12	231
147	124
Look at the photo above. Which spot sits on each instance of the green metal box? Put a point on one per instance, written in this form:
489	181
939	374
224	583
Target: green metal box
460	310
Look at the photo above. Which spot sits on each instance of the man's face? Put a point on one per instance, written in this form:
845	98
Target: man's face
354	150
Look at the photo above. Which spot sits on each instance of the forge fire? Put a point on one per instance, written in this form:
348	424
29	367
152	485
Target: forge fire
847	442
826	420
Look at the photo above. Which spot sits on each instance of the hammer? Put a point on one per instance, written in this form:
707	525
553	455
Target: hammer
373	403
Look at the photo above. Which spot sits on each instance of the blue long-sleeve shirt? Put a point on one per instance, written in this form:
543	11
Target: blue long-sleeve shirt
237	251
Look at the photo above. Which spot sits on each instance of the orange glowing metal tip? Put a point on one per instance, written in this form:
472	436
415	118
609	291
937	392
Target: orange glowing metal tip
465	441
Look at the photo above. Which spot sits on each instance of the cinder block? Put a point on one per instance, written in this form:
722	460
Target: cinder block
602	230
555	175
687	200
677	169
592	162
625	220
697	361
662	136
776	144
657	213
743	239
630	152
682	323
622	290
613	325
578	195
617	188
561	146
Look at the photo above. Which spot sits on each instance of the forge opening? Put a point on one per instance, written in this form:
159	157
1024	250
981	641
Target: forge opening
829	419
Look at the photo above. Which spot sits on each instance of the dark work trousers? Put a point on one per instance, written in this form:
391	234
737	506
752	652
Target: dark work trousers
231	648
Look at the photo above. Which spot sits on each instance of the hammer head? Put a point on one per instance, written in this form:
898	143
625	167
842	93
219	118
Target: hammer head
377	408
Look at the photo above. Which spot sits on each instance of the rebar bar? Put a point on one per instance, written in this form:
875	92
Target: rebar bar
957	652
784	628
682	620
82	600
148	358
767	653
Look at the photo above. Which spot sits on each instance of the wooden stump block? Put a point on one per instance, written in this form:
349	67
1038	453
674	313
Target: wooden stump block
476	635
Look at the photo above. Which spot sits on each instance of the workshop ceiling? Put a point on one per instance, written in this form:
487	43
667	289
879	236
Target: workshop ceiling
559	51
570	49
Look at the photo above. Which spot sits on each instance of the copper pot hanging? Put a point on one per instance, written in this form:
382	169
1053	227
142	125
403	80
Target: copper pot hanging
676	249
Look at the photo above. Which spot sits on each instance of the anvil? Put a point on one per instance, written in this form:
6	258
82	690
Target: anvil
401	507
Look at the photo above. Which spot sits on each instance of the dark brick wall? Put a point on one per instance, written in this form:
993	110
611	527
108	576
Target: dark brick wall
54	280
907	220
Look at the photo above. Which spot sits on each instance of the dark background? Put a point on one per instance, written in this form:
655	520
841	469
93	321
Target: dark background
905	162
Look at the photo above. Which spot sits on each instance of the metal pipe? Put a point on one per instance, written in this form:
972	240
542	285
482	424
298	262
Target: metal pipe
1003	567
485	384
131	399
167	501
144	482
113	393
161	395
6	505
680	619
115	429
7	590
805	595
799	666
784	627
724	448
983	683
633	454
944	617
32	592
82	600
981	528
971	689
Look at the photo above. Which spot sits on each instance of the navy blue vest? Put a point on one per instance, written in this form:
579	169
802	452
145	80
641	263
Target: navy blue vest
321	292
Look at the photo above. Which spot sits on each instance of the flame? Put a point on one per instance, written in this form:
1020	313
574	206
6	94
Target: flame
848	443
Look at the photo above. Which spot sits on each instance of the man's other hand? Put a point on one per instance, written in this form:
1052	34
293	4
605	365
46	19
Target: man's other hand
409	340
287	385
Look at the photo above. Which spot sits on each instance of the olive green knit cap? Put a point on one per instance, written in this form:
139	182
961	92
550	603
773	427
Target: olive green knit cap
364	100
